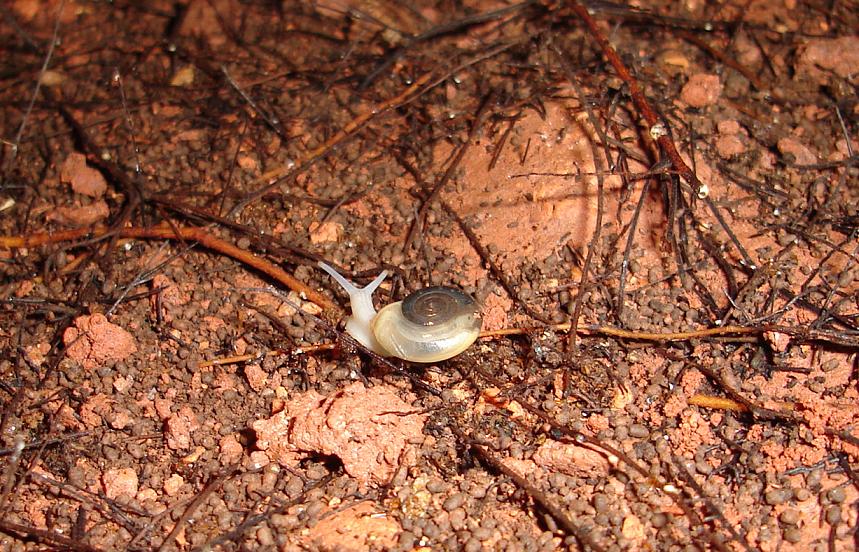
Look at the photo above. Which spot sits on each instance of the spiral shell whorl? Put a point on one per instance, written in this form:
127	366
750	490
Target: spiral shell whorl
436	305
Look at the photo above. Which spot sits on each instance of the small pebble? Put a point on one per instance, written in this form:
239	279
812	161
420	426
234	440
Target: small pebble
314	508
281	521
845	278
600	502
265	537
294	487
638	431
436	486
792	535
407	540
577	505
833	514
829	365
659	520
778	496
703	467
790	516
472	545
602	520
812	480
557	480
785	239
453	502
316	471
431	530
477	491
836	495
457	519
482	533
802	494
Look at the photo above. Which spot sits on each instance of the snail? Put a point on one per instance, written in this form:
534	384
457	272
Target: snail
430	325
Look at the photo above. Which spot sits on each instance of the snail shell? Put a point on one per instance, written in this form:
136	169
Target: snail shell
430	325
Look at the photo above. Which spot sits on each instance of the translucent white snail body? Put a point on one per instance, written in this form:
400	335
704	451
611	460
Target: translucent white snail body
430	325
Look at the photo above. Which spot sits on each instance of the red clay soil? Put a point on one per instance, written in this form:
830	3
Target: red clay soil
173	369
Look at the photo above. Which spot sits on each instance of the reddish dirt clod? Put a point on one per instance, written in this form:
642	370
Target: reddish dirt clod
82	178
369	430
93	340
121	482
702	90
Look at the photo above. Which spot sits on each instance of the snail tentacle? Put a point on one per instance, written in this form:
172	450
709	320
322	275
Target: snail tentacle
363	311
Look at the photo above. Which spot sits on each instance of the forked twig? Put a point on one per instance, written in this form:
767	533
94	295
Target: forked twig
657	127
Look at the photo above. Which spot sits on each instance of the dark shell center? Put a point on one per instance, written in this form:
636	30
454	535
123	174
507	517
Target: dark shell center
436	305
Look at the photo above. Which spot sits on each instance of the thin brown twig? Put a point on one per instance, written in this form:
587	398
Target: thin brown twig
9	474
799	334
433	194
754	409
627	251
263	240
210	487
710	507
51	538
544	501
565	327
657	127
716	403
197	234
499	145
721	57
597	233
582	438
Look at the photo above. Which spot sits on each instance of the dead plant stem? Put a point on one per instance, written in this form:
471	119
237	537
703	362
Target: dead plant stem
192	233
